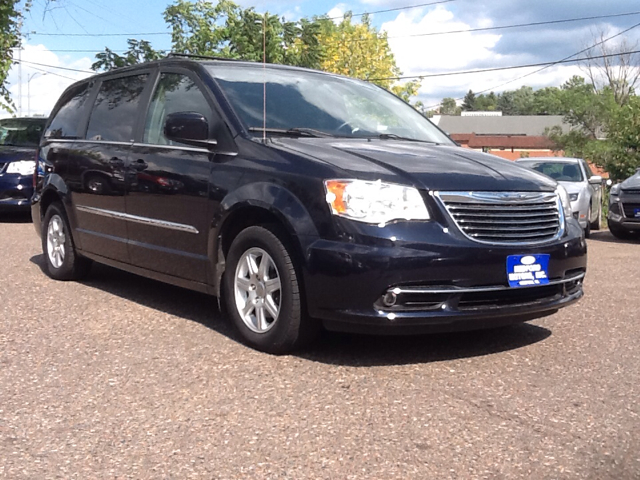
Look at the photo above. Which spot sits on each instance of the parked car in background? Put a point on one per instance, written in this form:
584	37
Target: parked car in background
326	202
624	208
19	138
584	188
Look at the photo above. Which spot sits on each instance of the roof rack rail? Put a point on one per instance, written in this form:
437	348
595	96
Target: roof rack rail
193	55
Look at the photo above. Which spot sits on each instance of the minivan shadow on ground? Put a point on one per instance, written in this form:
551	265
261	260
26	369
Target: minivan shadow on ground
15	217
330	348
606	237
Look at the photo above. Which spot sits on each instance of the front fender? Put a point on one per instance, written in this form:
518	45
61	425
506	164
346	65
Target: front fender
277	200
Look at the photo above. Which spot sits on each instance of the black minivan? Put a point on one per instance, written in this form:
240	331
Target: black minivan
302	199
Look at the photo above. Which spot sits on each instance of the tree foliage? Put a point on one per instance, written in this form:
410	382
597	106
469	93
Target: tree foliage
139	51
226	30
10	21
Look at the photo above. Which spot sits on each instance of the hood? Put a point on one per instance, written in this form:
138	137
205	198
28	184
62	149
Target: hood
427	166
572	187
633	182
12	154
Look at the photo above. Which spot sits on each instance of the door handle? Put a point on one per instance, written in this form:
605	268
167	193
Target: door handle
139	165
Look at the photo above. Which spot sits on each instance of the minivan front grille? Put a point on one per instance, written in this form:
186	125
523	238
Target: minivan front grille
514	218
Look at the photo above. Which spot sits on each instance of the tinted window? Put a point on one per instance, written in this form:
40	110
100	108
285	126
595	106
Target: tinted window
115	110
21	132
174	93
66	121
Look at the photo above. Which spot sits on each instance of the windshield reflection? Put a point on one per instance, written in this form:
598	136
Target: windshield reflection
299	100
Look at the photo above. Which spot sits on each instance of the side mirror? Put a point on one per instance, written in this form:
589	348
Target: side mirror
595	180
191	128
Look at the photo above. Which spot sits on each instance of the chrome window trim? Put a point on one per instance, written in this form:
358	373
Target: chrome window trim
503	198
497	288
136	219
140	144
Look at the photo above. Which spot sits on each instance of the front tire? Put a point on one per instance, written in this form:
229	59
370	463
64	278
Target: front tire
263	293
62	262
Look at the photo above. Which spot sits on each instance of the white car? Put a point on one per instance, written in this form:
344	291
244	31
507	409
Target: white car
584	188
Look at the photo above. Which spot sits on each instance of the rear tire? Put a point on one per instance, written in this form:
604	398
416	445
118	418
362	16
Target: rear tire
263	294
62	262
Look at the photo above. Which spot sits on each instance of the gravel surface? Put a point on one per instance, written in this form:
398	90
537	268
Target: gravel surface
124	377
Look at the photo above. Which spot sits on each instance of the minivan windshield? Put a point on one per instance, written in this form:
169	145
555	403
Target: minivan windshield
21	132
307	103
559	171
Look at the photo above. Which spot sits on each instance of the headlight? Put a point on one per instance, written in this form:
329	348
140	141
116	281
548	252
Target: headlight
566	202
374	202
23	167
615	190
573	196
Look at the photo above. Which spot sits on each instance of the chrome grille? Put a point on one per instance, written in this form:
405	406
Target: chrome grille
505	217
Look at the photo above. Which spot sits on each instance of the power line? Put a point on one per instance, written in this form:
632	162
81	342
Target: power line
54	66
497	69
551	64
169	33
393	9
49	72
503	27
98	34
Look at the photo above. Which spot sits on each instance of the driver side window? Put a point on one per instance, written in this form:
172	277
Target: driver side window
175	92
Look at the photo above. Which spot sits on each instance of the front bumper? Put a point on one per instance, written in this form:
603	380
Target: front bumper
15	192
444	281
623	210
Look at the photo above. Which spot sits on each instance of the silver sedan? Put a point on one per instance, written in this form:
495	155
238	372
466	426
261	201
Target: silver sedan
584	188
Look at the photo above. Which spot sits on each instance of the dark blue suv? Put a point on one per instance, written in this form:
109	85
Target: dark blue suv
19	138
303	199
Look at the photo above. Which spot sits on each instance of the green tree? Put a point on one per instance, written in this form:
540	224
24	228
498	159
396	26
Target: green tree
469	101
449	107
486	103
10	38
139	51
548	101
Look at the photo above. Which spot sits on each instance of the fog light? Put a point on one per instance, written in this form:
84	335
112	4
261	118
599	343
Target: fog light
389	299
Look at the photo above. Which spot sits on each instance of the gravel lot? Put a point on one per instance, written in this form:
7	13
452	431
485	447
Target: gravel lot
124	377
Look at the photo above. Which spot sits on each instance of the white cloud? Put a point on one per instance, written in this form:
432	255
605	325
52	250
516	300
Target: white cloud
41	85
337	12
432	54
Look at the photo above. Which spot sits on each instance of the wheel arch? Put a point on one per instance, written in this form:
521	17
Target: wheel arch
259	204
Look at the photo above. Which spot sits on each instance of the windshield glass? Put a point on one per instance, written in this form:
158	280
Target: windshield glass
339	106
21	132
560	171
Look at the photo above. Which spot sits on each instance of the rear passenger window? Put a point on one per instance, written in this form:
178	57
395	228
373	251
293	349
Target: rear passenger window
66	120
175	93
115	110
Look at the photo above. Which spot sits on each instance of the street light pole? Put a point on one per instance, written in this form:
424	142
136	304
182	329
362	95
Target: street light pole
29	78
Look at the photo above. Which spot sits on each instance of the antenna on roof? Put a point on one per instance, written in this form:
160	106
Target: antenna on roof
264	78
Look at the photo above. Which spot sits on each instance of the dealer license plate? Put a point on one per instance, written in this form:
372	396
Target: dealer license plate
528	270
636	212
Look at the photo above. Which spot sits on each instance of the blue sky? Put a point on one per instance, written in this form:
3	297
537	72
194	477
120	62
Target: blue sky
57	36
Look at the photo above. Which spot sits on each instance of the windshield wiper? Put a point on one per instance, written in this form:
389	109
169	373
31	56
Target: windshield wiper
393	136
295	131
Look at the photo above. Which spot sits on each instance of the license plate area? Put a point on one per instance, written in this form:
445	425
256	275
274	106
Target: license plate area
528	270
